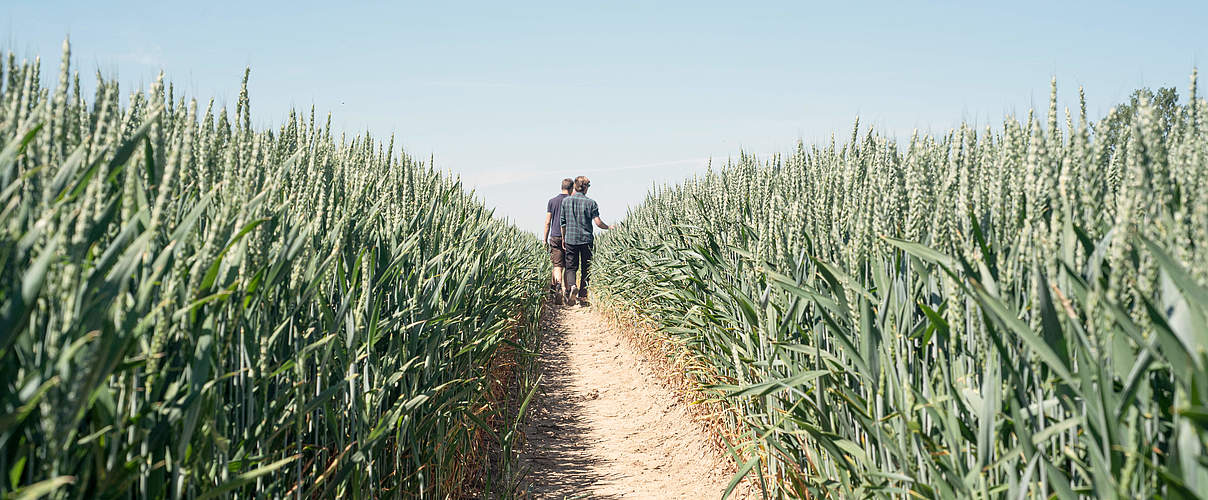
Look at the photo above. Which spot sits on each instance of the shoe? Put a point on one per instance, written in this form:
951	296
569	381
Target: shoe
557	297
583	302
570	296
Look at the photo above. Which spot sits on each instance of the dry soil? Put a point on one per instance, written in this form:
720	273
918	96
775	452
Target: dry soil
604	427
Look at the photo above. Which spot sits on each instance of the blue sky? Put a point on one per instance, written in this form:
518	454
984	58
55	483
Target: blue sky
515	96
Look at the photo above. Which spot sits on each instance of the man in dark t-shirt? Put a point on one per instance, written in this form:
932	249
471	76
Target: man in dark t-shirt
553	236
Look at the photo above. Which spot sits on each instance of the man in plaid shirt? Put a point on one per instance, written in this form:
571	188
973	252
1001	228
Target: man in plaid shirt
578	214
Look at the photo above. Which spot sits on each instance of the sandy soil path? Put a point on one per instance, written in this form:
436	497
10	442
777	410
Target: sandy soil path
603	427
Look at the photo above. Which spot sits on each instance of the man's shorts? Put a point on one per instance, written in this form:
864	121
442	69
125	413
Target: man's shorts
556	255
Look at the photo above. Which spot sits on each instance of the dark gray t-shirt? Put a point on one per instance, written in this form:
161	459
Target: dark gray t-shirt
554	206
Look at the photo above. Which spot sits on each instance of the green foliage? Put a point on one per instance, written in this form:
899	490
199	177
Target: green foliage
194	308
1005	313
1114	129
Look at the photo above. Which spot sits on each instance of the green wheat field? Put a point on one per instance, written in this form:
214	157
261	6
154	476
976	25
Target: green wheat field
191	307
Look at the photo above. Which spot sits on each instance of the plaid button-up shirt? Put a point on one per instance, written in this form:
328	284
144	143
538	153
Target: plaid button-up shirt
578	212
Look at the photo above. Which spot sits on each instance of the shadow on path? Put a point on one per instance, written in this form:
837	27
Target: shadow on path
559	450
604	427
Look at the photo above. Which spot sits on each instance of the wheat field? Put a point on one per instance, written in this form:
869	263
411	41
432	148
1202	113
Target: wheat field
1006	312
196	308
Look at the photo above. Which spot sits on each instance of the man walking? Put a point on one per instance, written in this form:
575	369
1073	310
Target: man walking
553	237
578	214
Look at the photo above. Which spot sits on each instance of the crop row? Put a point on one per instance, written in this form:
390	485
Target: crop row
1014	311
192	307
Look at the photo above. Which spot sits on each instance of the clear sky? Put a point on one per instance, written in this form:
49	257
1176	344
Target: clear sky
516	95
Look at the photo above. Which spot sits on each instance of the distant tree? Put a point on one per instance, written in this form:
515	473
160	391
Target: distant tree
1114	129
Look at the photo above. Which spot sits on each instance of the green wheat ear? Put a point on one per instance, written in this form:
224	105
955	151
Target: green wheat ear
195	308
1001	313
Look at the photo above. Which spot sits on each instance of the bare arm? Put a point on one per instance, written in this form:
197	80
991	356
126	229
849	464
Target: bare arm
600	224
545	233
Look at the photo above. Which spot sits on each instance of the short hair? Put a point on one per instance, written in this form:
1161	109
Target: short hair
581	184
567	184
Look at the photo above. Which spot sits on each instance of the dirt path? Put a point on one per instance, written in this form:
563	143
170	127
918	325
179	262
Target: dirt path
603	427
